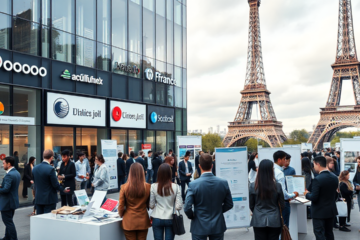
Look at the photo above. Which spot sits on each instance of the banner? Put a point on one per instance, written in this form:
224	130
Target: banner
306	147
327	145
349	151
232	165
109	151
192	144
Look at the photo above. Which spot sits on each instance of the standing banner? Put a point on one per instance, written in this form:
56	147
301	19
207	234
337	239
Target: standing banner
188	143
349	151
306	147
231	164
120	148
327	145
109	151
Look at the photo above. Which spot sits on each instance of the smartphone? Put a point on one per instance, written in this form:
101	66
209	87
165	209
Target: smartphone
67	188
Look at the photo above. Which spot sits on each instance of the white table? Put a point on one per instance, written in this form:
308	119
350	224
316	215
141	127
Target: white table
44	227
298	219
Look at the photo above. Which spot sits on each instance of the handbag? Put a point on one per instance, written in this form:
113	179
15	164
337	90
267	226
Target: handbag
341	206
178	220
285	234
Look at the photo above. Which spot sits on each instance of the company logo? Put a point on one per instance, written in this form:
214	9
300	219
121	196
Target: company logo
81	78
116	114
2	156
25	68
153	117
61	107
149	75
129	69
2	108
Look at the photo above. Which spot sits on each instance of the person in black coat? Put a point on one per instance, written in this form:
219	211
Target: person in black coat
197	163
128	164
356	180
67	175
120	170
16	158
156	162
185	171
323	196
346	192
28	177
139	159
213	170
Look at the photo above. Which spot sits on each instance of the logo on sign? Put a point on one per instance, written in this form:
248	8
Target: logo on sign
25	68
149	74
61	107
2	108
116	114
158	77
81	78
153	117
66	74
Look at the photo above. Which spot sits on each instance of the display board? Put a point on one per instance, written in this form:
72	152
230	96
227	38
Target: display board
295	152
327	145
306	147
349	151
291	145
231	164
188	143
109	151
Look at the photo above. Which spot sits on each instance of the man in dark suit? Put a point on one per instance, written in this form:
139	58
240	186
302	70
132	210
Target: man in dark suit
211	198
149	168
156	162
47	185
323	196
140	160
9	198
197	163
129	162
16	159
120	170
186	171
67	175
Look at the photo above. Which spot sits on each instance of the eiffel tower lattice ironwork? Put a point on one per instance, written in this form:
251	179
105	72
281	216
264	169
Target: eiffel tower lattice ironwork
255	92
334	117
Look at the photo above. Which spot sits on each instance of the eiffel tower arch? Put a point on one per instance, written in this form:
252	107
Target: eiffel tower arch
255	93
334	117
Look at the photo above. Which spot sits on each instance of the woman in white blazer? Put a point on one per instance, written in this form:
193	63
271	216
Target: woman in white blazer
165	197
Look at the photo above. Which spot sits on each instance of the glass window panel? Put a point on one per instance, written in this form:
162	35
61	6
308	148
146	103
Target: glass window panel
177	13
135	140
184	23
87	141
160	8
121	137
149	29
149	89
26	103
86	18
149	138
184	97
4	146
135	27
85	52
160	141
103	57
170	71
119	23
161	67
45	42
59	139
119	57
160	38
170	95
178	45
170	10
5	6
135	60
135	89
170	141
178	119
161	93
26	36
4	101
5	31
170	31
63	46
184	79
63	15
184	50
178	97
149	63
184	120
45	14
103	21
27	9
178	76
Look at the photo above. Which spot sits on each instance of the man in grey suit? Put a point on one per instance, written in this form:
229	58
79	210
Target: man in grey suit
211	198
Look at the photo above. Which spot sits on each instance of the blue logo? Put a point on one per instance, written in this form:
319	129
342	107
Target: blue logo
61	108
153	117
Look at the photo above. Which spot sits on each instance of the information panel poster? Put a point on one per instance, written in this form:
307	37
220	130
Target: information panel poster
189	143
109	151
231	164
349	151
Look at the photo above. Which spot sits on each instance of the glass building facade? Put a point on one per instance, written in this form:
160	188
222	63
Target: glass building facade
116	41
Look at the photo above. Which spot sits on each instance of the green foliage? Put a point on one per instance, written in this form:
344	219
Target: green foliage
210	141
339	135
253	143
299	135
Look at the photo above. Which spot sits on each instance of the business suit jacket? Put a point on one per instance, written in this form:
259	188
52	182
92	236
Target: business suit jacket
9	197
46	183
134	210
141	161
197	162
156	162
146	159
129	162
266	213
182	171
120	167
69	172
27	176
323	196
211	198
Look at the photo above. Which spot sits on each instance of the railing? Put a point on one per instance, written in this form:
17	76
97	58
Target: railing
258	122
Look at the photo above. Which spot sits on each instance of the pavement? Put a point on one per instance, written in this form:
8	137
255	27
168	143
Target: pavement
22	222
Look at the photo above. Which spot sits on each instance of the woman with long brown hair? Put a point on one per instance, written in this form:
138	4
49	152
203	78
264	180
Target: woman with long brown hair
346	191
171	162
165	196
133	204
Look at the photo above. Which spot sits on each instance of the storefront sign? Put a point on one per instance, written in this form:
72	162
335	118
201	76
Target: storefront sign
127	115
25	68
128	69
65	109
2	108
161	118
158	77
17	120
81	78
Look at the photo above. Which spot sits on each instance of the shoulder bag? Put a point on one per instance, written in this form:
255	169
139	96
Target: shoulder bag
285	234
178	221
341	206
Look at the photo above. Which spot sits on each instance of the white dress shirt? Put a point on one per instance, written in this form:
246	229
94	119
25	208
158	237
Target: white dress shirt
9	170
280	178
149	163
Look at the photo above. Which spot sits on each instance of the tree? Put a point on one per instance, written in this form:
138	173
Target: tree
210	141
299	135
339	135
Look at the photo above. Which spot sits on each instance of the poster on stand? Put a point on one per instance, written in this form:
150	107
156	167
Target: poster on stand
349	151
120	148
306	147
109	151
192	144
231	165
327	145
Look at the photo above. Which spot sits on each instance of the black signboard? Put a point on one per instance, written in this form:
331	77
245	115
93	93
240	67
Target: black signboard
161	118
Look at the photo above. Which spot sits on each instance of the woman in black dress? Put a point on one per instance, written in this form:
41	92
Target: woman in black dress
28	177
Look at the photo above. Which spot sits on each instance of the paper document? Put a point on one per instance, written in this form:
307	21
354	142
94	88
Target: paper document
82	197
302	200
98	198
295	184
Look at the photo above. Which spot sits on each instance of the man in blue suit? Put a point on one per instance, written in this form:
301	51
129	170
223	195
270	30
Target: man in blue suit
211	198
47	185
9	198
185	171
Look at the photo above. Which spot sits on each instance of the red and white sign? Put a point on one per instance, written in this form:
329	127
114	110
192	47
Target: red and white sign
127	115
145	146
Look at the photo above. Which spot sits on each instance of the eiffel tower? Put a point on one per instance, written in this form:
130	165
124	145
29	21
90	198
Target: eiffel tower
334	117
255	92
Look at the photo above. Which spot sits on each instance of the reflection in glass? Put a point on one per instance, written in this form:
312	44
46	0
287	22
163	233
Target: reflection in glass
103	57
149	63
149	29
103	21
184	97
160	141
149	89
26	36
119	57
86	18
5	6
85	52
184	48
27	9
63	45
135	140
170	95
5	31
184	78
177	34
26	102
5	100
135	26
63	15
178	76
184	120
59	139
149	138
161	94
45	15
170	71
178	119
87	141
160	31
170	31
119	24
184	23
178	97
135	61
45	42
121	137
161	67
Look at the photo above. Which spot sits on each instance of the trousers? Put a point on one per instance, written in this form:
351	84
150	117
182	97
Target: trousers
161	226
136	234
10	230
267	233
121	181
286	213
183	183
149	175
323	228
67	200
219	236
41	209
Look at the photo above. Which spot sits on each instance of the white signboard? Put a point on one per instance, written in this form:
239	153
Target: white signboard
120	148
327	145
17	120
291	145
349	151
65	109
127	115
231	164
192	144
109	151
305	147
